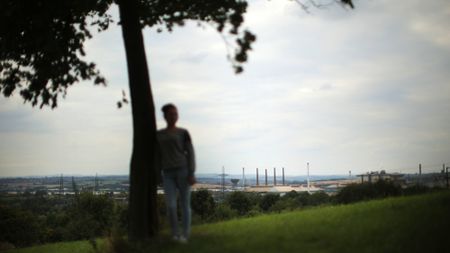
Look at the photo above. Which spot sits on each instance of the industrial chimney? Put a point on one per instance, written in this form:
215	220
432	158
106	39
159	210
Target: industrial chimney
274	176
257	177
307	165
266	176
243	178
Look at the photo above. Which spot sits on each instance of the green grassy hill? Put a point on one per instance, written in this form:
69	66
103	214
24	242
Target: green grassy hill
404	224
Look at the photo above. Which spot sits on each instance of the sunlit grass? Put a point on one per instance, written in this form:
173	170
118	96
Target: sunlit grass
405	224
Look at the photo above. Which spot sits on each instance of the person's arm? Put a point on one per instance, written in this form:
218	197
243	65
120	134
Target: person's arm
190	158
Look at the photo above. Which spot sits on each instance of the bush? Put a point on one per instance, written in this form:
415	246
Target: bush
203	204
121	216
303	198
291	195
255	199
284	204
255	211
268	201
56	227
224	212
367	191
416	189
90	216
83	226
239	201
318	198
19	228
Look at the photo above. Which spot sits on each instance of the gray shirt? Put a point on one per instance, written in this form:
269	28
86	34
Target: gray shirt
176	150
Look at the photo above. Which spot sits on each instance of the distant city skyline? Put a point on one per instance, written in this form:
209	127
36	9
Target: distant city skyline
252	173
362	90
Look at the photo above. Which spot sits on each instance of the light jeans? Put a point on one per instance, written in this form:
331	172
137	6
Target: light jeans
174	179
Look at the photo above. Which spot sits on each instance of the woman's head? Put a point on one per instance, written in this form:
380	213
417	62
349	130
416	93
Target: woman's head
170	114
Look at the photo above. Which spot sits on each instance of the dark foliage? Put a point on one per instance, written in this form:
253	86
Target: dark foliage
33	219
90	216
367	191
303	198
318	198
203	204
18	227
224	212
42	45
239	201
223	14
419	189
268	201
42	42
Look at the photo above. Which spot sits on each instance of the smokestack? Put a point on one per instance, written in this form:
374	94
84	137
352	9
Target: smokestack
307	165
223	182
283	175
243	177
61	185
257	177
274	176
420	173
266	176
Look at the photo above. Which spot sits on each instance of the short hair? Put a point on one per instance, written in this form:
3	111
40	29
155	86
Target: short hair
168	107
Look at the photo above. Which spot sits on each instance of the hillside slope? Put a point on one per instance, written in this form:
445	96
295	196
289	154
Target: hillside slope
404	224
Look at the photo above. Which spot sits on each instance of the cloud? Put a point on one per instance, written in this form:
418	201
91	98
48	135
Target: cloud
344	90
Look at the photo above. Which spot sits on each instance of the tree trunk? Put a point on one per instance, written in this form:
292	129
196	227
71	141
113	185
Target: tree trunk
143	178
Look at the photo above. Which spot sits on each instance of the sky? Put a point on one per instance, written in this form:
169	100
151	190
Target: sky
343	90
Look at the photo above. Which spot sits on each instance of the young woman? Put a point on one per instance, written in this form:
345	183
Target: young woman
177	163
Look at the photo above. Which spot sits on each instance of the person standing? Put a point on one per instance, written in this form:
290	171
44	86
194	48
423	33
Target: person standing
177	163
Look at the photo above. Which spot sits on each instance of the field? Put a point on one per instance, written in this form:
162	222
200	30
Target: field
403	224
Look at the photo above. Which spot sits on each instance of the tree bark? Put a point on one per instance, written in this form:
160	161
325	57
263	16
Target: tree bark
143	216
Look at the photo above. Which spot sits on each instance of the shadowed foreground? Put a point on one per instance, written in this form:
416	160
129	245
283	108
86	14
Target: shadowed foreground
403	224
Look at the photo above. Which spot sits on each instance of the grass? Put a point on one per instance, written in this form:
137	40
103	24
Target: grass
403	224
61	247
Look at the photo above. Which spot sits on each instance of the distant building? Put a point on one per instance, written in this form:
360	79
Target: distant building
374	176
283	189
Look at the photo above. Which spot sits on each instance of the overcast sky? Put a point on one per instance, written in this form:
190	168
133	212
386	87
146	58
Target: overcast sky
361	90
